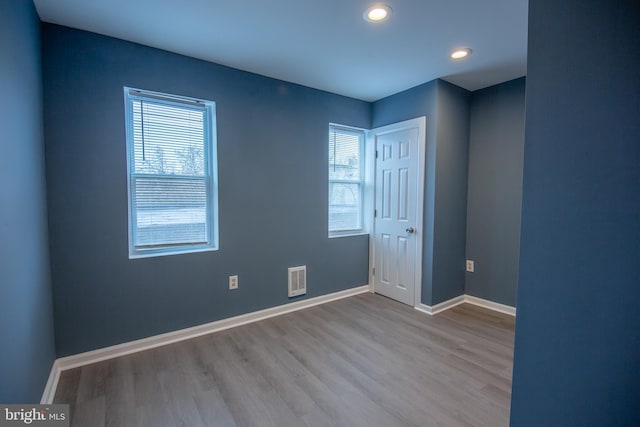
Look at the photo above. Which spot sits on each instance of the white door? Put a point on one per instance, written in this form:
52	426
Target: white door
399	186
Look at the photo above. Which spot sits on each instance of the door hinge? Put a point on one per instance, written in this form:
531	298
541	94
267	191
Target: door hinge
375	213
373	273
376	154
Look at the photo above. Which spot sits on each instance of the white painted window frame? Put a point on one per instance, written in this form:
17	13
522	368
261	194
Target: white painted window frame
367	154
212	168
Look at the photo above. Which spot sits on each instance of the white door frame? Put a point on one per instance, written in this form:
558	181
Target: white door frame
421	124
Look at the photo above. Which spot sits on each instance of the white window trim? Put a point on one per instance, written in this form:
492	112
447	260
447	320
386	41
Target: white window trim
367	163
211	159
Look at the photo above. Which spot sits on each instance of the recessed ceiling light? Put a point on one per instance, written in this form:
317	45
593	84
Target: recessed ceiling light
377	12
461	53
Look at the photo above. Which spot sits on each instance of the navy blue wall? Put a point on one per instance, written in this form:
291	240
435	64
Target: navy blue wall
447	110
577	345
272	156
496	145
26	315
452	164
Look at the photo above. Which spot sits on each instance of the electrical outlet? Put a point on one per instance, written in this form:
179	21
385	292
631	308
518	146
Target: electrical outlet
470	266
233	282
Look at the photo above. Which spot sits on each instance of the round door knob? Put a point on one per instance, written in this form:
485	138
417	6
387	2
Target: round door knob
410	230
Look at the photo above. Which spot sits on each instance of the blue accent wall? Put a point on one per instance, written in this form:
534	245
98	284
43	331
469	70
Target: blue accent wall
26	316
272	168
496	146
447	110
577	341
452	164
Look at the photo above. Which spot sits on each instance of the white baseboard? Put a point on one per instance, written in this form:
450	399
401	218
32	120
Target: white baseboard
123	349
445	305
52	384
502	308
438	308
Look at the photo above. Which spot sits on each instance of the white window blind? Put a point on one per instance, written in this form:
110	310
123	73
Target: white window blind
346	179
171	155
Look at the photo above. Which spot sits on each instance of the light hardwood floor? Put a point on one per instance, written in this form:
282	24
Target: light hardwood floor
361	361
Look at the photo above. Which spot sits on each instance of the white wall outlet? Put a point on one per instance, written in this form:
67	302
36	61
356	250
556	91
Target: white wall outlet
470	266
233	282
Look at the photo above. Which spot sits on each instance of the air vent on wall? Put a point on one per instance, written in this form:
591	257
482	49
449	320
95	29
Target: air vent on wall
297	281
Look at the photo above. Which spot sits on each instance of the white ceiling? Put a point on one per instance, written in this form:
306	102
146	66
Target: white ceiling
322	44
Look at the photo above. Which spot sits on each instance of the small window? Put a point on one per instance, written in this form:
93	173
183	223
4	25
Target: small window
171	163
346	180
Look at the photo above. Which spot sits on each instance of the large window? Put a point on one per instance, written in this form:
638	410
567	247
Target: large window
346	180
171	162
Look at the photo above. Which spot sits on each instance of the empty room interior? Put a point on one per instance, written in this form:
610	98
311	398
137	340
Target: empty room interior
341	213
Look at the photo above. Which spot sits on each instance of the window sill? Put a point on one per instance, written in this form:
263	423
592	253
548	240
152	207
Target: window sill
166	252
349	233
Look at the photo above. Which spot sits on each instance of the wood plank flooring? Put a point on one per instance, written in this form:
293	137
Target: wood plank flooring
361	361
